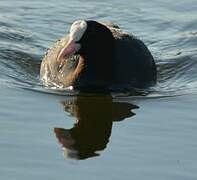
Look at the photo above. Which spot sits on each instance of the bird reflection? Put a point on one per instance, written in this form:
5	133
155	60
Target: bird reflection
92	129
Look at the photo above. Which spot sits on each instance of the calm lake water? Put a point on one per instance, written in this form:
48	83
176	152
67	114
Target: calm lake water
57	134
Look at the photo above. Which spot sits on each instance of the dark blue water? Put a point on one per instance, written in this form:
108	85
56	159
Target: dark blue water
53	133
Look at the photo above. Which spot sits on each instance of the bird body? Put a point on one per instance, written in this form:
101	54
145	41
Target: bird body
98	56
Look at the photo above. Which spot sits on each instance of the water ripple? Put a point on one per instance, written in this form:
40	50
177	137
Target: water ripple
25	35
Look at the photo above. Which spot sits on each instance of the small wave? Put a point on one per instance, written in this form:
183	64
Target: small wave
14	34
177	76
20	68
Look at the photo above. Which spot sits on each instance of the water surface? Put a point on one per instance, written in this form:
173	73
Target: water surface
51	133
